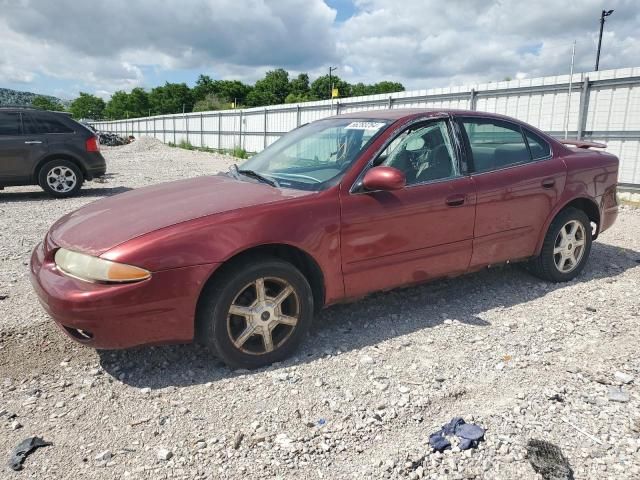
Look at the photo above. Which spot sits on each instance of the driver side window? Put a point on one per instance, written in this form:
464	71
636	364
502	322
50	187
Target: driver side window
424	153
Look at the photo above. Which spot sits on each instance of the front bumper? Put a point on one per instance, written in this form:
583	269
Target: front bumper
106	316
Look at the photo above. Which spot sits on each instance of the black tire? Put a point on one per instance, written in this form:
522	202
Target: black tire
216	327
545	265
55	189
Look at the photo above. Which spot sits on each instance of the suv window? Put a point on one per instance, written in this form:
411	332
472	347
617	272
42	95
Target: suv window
38	123
424	153
538	147
9	123
495	144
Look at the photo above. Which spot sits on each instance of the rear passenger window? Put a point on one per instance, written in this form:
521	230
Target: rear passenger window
495	144
538	147
35	123
9	123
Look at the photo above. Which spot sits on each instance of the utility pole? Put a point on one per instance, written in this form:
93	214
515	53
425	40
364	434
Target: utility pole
605	13
331	69
568	112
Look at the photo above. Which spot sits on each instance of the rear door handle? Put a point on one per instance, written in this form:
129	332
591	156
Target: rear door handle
32	142
455	200
548	183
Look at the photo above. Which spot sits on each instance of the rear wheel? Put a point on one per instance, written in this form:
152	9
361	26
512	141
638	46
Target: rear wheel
256	313
566	247
60	178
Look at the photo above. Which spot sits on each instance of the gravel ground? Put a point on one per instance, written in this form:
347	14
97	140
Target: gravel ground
522	358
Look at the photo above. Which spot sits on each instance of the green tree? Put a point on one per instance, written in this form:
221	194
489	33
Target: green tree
171	98
226	91
360	89
47	103
321	87
128	105
299	98
387	87
139	102
117	106
87	106
271	90
300	85
211	102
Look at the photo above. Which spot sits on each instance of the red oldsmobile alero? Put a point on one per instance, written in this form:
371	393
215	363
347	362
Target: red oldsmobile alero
334	210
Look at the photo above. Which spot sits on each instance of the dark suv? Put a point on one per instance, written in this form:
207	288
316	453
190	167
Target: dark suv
49	149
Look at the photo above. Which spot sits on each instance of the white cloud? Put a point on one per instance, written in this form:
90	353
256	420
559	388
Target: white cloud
108	45
430	42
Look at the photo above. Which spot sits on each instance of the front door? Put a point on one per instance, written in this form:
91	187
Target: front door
13	150
423	231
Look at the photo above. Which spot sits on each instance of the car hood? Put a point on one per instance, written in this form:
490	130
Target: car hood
106	223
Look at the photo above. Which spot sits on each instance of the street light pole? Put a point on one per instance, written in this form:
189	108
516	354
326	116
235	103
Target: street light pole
605	13
331	69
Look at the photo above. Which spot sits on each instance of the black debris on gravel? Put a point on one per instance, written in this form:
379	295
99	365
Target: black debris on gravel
469	435
23	449
548	460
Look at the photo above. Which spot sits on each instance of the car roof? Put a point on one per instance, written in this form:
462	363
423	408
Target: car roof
408	113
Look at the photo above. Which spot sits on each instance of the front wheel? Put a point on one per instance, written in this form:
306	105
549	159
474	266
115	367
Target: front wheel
566	247
256	313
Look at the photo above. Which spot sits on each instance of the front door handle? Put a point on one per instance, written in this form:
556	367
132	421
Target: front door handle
32	142
455	200
548	183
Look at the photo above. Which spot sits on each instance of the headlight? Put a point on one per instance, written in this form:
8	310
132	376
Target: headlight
94	269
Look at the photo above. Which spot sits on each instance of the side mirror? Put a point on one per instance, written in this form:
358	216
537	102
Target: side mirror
384	178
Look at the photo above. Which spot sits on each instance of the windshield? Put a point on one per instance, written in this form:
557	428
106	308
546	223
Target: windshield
317	155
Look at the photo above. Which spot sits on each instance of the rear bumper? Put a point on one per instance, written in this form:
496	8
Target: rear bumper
95	165
156	311
609	209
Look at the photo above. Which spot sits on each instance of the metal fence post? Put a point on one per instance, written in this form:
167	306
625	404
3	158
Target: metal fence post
473	96
220	131
186	126
173	120
201	130
584	107
390	103
264	139
240	139
164	131
297	115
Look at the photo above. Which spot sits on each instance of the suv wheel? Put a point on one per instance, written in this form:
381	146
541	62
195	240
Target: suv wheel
60	178
566	247
256	313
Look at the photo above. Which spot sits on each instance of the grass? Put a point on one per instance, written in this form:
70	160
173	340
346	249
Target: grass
237	152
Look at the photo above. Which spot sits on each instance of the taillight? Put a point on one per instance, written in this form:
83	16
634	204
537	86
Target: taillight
92	144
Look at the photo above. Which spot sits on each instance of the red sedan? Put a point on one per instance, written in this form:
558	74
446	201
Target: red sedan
332	211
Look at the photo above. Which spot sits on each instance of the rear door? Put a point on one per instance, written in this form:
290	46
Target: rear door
518	182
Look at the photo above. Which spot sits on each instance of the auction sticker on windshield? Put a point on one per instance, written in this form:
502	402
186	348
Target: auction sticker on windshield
364	126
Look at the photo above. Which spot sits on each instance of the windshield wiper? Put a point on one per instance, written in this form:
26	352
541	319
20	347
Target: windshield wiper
256	175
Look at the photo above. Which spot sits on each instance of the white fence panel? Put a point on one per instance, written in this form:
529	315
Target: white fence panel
602	106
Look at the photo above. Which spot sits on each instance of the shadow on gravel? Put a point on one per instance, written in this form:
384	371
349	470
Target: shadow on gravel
8	196
372	320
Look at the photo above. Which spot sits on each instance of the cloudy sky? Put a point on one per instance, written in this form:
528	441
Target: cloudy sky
61	47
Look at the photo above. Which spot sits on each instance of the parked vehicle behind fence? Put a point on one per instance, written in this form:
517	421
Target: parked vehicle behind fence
49	149
332	211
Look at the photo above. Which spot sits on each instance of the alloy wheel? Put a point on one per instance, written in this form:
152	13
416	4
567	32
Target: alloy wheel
61	179
263	315
569	246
